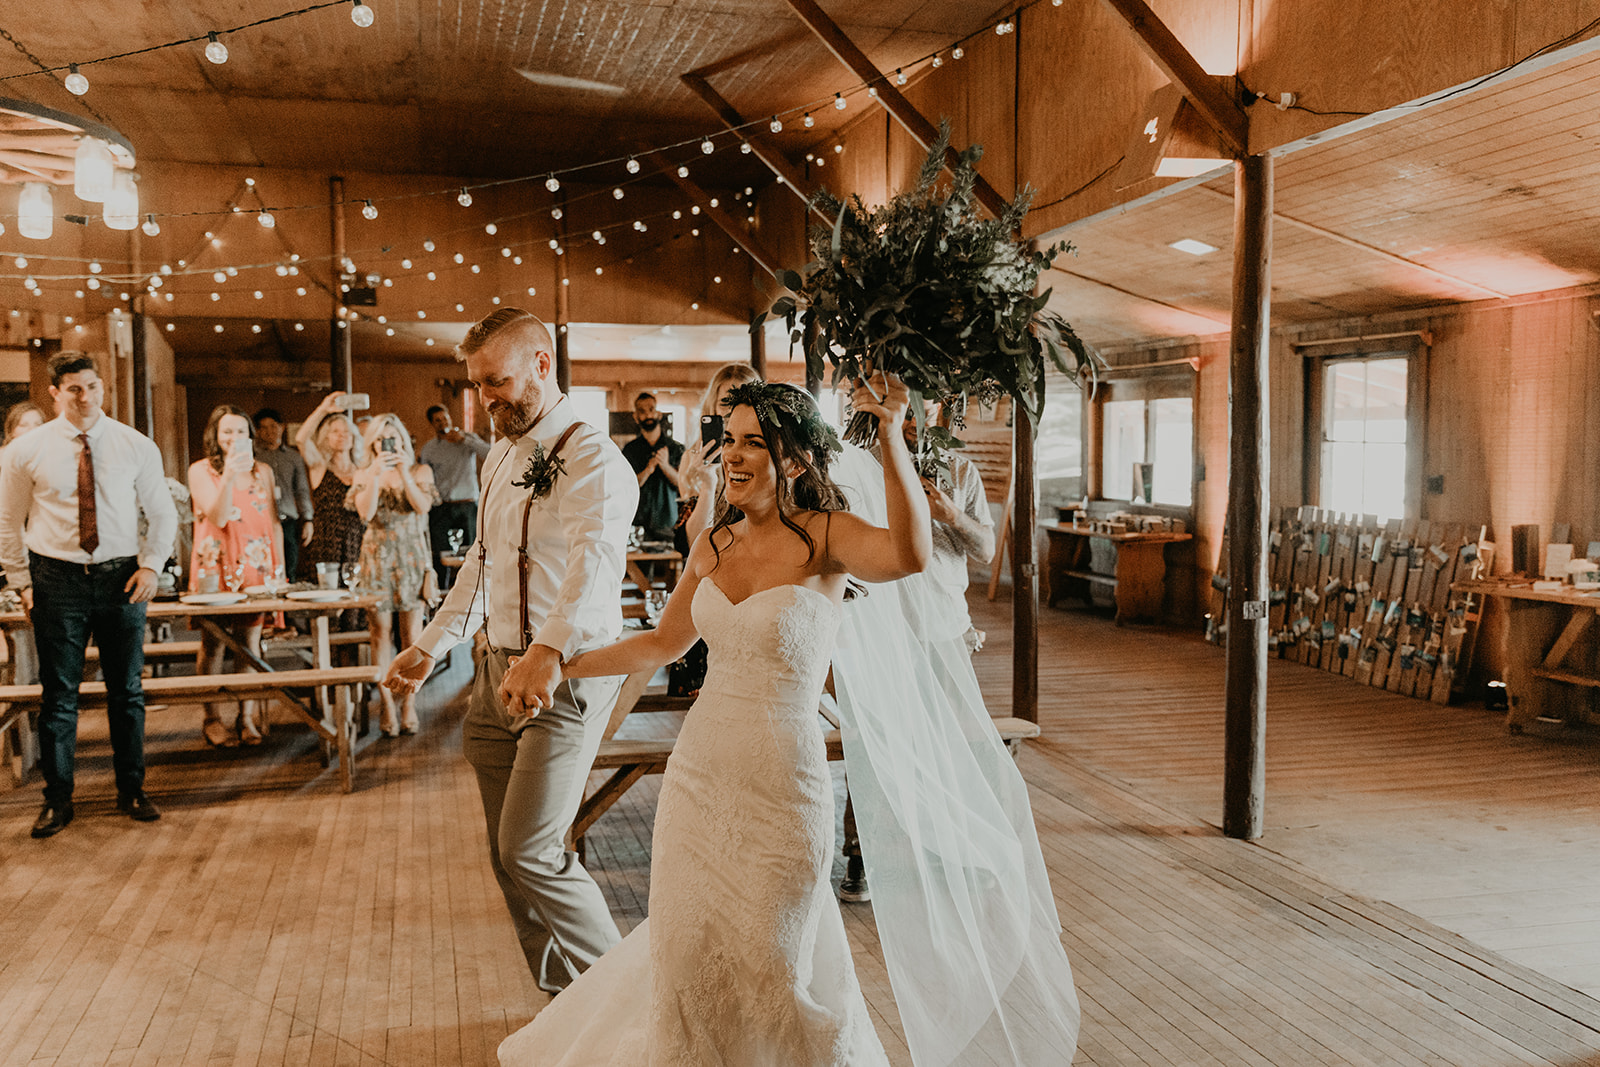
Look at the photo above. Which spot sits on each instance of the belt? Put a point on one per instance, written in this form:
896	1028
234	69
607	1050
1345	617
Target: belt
86	568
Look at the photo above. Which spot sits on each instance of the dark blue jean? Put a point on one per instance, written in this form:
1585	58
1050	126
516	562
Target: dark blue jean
71	603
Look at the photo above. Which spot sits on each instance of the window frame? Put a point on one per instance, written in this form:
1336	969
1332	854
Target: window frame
1316	361
1165	383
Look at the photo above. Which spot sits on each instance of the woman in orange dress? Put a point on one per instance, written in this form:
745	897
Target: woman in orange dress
238	542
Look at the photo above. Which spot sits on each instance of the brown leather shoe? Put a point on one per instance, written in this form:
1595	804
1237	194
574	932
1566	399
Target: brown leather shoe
53	819
139	806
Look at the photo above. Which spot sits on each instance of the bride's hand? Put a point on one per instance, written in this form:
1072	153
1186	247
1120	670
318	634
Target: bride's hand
885	396
530	681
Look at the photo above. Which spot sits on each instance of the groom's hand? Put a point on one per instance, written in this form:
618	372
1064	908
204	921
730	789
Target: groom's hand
530	681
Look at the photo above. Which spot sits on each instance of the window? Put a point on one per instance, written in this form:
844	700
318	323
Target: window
1058	449
589	403
1147	441
1363	449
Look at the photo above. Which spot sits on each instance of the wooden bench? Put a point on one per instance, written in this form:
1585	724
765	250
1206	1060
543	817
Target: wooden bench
631	759
335	726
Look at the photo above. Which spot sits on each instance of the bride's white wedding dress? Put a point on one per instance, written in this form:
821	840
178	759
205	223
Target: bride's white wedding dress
743	961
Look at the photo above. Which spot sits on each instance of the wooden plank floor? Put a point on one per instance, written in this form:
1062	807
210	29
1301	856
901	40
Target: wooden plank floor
270	919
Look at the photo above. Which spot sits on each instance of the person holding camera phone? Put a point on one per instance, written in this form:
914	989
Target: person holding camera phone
238	542
392	494
654	458
328	439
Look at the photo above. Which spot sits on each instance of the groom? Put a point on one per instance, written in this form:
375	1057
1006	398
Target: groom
546	577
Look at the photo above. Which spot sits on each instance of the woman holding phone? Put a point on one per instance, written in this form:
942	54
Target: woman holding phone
327	441
237	543
392	493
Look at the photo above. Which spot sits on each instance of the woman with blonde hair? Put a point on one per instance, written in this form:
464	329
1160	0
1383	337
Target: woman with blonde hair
328	442
392	494
22	417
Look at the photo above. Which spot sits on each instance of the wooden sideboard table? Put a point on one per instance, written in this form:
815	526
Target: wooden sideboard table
1139	578
1541	631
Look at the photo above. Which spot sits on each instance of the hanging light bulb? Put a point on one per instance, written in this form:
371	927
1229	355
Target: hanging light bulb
460	258
938	60
427	246
554	244
617	193
633	165
369	211
598	236
216	51
491	229
556	213
707	147
683	172
122	203
809	121
465	199
266	220
776	125
552	184
92	167
872	91
899	76
839	102
405	264
219	277
957	52
76	83
361	15
151	227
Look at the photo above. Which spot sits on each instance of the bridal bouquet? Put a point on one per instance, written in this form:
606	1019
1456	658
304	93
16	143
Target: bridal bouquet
927	288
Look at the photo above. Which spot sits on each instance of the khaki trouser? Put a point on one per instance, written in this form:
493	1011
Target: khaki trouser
531	775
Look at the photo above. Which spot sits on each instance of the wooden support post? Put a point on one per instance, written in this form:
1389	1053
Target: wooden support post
894	102
1245	764
1024	572
758	350
342	373
563	285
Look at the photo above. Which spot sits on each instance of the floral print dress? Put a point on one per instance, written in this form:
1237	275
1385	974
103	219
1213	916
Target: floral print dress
396	554
240	553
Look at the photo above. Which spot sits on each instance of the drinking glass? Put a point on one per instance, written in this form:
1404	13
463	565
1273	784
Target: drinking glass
655	602
456	538
351	573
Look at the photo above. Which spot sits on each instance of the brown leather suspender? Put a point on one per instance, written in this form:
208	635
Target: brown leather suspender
522	550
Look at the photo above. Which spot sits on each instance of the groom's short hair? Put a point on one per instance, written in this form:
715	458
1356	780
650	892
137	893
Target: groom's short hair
497	322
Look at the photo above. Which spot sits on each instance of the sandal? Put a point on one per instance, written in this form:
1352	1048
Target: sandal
248	734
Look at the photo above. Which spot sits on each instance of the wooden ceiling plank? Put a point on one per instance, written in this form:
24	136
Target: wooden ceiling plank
740	235
911	120
775	161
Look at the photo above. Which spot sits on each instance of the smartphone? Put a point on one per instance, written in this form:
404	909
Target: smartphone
711	430
243	446
355	402
388	444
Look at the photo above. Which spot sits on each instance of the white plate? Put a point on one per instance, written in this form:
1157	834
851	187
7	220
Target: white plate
317	594
256	590
211	598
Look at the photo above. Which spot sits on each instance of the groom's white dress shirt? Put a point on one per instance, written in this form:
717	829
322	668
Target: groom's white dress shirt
577	546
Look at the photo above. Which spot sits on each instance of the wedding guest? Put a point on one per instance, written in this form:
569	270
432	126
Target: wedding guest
238	543
295	509
654	457
328	441
545	582
393	494
700	474
21	418
79	485
454	455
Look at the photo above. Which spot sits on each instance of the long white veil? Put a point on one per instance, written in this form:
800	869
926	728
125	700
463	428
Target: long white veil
959	888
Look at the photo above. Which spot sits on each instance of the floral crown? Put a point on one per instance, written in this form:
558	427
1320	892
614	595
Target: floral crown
776	402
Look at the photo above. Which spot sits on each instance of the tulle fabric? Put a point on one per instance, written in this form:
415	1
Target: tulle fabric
959	887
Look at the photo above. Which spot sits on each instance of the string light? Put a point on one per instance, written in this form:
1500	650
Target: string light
369	211
957	52
556	213
552	184
809	121
744	148
465	199
683	172
633	165
76	83
219	277
491	229
460	258
151	227
617	193
427	246
1005	27
405	264
839	102
707	147
899	76
216	51
361	15
938	60
266	220
776	125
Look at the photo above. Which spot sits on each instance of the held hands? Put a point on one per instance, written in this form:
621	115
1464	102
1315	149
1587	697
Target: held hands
890	409
141	588
408	671
530	681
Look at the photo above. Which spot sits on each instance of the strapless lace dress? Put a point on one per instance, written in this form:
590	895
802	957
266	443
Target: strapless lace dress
743	961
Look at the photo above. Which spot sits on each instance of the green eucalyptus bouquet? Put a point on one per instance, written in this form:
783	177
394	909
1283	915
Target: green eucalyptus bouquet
927	288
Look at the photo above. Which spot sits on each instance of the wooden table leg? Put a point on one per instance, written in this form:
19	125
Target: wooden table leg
1141	580
1531	629
344	722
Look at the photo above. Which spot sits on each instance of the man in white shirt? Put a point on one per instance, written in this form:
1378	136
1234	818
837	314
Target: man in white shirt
545	576
71	494
453	454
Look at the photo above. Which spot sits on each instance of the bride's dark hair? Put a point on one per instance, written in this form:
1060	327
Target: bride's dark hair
796	434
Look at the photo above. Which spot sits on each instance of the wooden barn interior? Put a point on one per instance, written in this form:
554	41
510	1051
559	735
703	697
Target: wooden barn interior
1316	767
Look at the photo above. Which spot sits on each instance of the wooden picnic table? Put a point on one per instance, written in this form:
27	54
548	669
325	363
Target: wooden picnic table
325	695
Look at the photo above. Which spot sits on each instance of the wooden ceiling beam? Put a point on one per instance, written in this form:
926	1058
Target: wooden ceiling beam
911	120
741	235
763	150
1205	91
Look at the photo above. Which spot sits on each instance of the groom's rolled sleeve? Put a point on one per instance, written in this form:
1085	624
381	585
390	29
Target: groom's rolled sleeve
596	511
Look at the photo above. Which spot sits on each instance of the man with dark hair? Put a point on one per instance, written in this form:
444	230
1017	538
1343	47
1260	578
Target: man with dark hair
293	486
654	458
453	454
545	581
71	493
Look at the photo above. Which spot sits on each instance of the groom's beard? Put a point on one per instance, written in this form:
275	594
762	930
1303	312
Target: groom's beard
514	417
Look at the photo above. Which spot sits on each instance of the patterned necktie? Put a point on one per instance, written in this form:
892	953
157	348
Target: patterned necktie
88	528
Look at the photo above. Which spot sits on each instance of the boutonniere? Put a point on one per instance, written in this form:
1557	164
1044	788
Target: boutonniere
539	476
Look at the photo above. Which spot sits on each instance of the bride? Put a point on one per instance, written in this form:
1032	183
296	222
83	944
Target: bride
743	960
